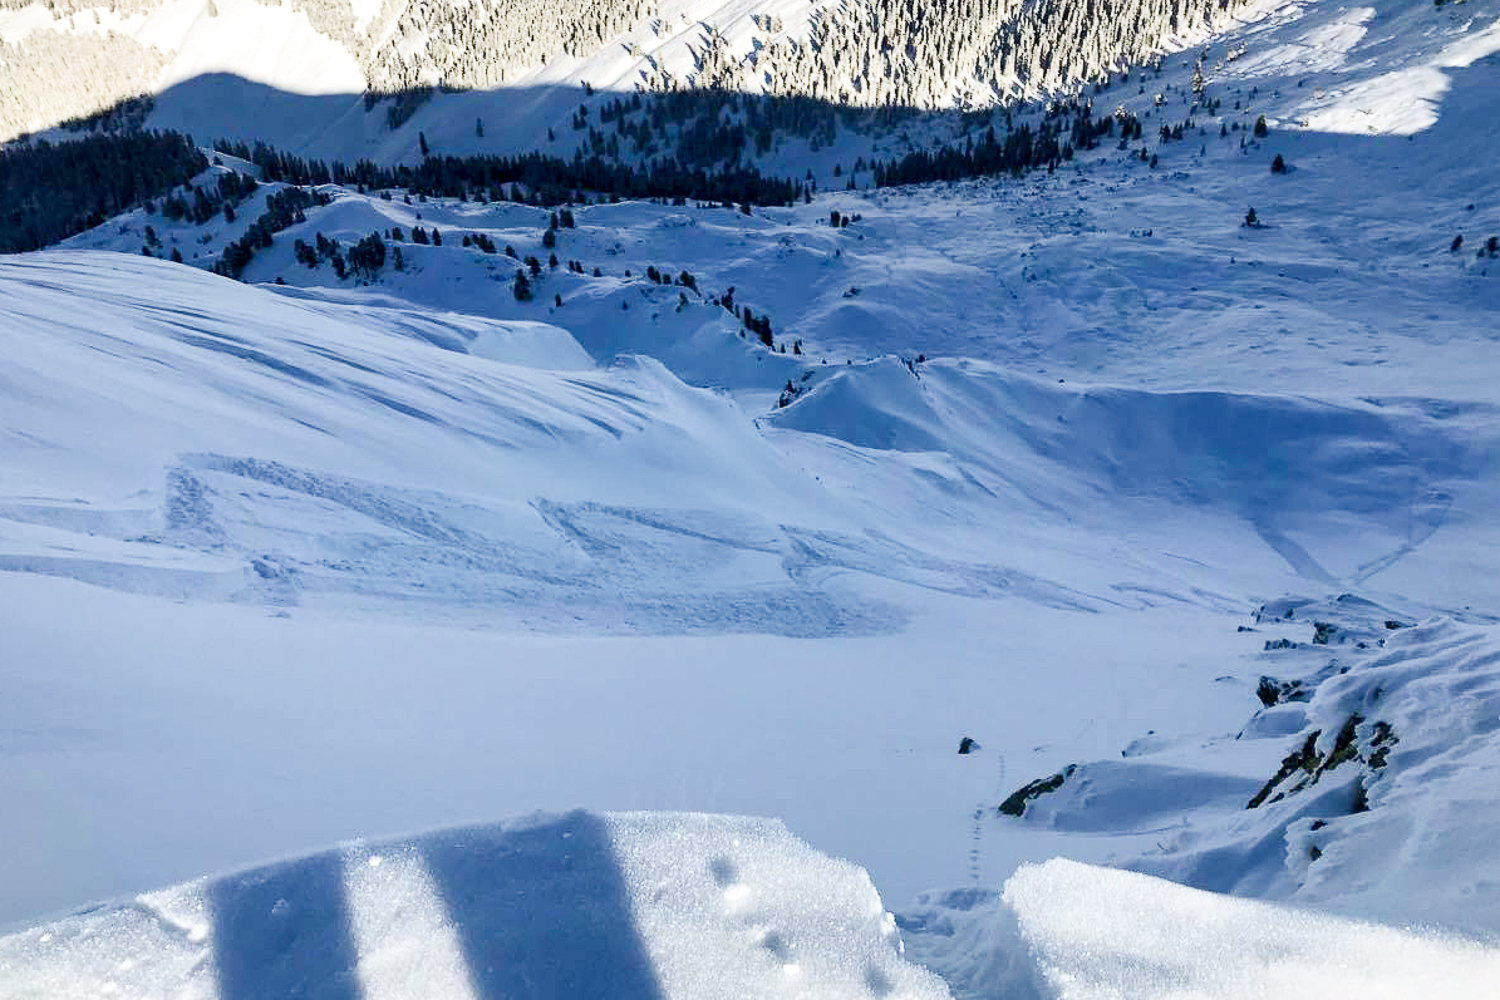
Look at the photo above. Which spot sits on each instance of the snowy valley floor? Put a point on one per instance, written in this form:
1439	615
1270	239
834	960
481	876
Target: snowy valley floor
198	739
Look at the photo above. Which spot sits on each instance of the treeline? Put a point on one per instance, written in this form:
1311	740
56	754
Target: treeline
486	42
1065	130
709	127
284	209
703	140
921	54
50	191
208	200
550	180
366	257
926	53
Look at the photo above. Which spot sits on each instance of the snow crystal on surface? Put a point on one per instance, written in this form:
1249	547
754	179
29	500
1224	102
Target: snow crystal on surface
634	907
731	907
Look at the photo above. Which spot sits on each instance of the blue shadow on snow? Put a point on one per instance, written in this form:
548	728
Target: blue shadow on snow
283	931
541	910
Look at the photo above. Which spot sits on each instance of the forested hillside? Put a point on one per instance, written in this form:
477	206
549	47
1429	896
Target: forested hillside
63	61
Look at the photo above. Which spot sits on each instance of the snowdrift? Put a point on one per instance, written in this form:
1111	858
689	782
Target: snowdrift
1386	809
1062	930
198	438
1340	490
637	905
653	906
1101	934
1377	821
1258	454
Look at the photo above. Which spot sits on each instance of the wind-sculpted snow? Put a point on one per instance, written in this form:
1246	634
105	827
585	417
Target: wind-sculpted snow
365	456
304	450
655	906
1386	814
1098	934
1183	532
460	482
635	905
1381	810
1061	930
1285	466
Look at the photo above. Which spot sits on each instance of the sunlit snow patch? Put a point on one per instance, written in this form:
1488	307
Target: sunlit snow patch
1402	101
732	908
1100	933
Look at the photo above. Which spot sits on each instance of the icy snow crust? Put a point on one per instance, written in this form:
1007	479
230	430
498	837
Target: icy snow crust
637	906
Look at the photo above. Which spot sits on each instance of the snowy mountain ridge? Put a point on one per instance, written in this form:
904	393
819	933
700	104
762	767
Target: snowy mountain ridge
960	54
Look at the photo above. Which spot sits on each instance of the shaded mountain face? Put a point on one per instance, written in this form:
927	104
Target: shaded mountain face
61	61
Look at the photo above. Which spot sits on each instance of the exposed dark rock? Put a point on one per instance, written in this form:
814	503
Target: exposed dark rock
1270	691
1305	759
1382	738
1314	764
1015	804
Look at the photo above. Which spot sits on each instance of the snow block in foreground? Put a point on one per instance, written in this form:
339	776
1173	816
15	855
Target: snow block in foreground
627	906
1106	934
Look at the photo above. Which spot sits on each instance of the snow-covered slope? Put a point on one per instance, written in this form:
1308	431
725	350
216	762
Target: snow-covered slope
1385	817
344	461
364	456
875	53
1189	526
293	74
360	454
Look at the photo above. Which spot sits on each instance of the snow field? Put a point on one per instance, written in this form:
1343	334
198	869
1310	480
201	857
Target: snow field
352	459
366	453
289	566
1385	824
221	715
